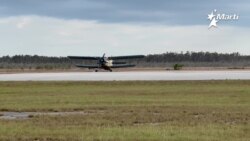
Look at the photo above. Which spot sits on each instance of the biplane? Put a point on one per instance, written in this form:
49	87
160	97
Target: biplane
106	63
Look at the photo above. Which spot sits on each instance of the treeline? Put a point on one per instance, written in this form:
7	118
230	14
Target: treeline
189	59
196	57
199	59
34	62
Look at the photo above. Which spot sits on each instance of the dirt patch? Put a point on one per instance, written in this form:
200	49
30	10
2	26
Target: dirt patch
27	115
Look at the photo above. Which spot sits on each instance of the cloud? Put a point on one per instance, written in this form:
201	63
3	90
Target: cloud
170	12
23	22
57	37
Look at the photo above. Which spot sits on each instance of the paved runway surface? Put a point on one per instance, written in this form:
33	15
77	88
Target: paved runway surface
122	76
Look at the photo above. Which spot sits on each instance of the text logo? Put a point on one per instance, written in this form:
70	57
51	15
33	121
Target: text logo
215	17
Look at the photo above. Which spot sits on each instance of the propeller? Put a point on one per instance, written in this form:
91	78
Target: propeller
103	59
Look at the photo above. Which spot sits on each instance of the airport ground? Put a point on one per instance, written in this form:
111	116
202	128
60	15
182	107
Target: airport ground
4	71
128	111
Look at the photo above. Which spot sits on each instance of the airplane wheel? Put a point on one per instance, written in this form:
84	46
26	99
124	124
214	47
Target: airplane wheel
96	70
110	70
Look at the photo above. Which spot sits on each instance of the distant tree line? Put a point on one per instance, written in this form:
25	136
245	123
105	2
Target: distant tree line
199	59
196	57
168	59
34	62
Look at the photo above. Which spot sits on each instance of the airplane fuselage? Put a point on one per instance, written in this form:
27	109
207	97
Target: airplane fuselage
109	63
106	64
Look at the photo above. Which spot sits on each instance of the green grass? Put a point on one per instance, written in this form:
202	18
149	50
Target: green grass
134	111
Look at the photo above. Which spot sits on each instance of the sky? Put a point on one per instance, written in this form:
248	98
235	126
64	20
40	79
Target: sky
121	27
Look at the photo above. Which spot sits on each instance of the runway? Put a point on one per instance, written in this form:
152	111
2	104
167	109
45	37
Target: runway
129	76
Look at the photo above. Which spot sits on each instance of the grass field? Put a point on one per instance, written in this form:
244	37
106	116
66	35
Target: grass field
129	111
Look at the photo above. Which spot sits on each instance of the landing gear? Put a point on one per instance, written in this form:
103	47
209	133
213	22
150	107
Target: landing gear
97	70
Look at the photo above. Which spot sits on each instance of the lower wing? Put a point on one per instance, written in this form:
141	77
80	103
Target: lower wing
88	66
122	66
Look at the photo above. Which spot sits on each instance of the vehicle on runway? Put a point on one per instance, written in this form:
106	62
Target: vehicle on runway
107	63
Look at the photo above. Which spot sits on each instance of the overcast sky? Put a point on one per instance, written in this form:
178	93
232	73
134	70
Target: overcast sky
121	27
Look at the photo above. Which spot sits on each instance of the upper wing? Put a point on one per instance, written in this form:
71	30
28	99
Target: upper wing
88	66
84	57
126	57
122	66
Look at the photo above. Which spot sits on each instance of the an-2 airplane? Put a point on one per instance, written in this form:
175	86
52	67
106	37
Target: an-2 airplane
106	63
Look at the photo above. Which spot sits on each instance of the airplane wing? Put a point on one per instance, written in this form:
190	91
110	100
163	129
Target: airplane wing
126	57
84	57
122	66
88	66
